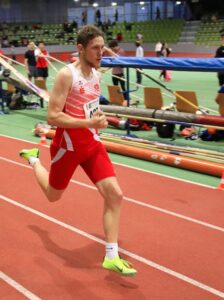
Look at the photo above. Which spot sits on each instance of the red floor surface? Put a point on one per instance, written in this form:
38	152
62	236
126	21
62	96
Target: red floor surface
55	263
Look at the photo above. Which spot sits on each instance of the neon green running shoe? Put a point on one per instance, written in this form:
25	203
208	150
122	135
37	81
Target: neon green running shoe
119	265
27	153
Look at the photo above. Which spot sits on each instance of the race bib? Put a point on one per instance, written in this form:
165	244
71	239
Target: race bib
91	107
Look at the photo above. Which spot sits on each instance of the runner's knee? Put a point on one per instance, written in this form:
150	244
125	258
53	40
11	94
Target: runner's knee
114	198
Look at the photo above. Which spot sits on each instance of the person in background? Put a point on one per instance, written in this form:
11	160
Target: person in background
165	52
158	14
84	17
139	53
119	37
41	61
158	48
30	61
220	95
220	53
98	17
3	93
13	53
139	37
116	16
118	72
220	100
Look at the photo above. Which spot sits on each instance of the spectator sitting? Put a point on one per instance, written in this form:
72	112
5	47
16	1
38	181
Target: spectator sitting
60	35
37	26
214	18
66	27
24	41
70	40
74	25
128	26
5	42
119	37
139	37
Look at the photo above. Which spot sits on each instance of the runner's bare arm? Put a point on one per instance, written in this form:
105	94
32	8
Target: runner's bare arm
26	64
57	117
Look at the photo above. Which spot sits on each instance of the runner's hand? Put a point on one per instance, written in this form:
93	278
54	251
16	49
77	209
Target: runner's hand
98	120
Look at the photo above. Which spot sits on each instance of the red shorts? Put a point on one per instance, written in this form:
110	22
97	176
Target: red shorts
94	160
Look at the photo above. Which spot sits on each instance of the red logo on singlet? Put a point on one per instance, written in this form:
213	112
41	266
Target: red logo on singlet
82	90
97	87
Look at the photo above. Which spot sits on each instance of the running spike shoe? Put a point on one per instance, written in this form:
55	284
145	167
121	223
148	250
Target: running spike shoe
27	153
119	265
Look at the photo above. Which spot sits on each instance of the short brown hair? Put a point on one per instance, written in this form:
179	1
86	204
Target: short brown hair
113	44
87	33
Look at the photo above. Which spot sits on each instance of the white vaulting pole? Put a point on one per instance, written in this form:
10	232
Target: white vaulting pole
42	93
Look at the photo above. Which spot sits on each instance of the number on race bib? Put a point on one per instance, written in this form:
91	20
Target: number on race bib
91	108
92	112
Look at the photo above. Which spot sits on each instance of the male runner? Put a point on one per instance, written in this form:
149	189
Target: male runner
74	109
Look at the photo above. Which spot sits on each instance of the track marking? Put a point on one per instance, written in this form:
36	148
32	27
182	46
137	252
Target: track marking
137	202
15	162
127	166
139	258
166	176
18	287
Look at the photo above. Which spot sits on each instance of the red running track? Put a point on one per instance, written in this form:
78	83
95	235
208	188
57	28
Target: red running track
173	232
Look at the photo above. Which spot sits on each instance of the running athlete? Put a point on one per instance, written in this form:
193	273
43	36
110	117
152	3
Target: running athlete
74	109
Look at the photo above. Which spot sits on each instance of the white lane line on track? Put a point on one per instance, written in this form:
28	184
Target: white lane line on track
166	176
139	258
18	287
137	202
127	166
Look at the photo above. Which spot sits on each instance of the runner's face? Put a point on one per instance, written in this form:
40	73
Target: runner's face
41	46
92	54
31	46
